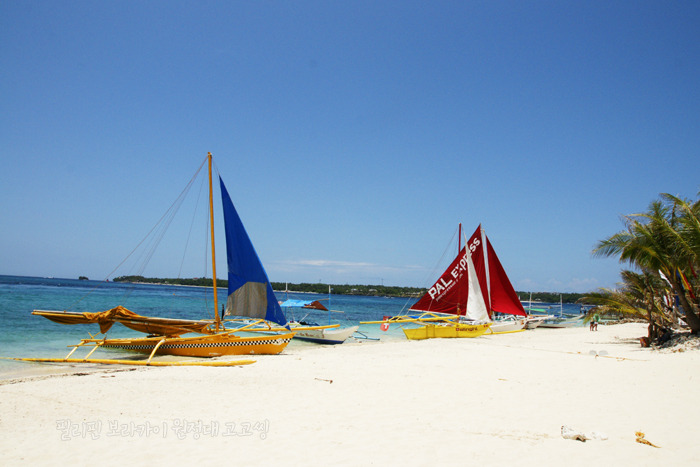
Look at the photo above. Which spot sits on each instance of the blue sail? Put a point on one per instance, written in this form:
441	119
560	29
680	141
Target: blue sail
249	291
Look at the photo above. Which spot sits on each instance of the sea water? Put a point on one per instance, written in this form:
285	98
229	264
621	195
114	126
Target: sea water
25	335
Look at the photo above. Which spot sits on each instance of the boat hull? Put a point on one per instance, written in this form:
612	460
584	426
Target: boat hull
557	325
534	321
507	326
431	331
561	322
324	336
215	345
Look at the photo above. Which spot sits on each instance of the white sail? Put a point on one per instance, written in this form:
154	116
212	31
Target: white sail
476	306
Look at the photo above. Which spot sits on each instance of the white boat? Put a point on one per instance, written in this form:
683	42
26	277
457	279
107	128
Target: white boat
534	321
332	334
560	322
502	326
312	332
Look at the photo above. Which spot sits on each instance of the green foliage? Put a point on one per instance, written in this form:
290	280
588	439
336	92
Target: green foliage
196	282
664	244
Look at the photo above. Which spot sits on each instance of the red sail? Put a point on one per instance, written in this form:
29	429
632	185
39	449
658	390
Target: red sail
479	259
503	297
449	294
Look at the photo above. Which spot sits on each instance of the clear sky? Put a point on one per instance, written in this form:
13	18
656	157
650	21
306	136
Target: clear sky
353	136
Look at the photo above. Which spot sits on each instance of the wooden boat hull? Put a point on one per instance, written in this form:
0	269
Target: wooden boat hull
431	331
533	322
507	326
214	345
324	335
561	322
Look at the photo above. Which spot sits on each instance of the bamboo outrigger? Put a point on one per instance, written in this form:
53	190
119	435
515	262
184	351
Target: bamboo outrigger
433	325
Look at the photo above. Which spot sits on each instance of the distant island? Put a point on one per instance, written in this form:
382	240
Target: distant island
83	278
366	290
343	289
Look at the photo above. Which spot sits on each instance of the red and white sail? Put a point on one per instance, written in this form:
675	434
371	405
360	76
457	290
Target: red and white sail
475	285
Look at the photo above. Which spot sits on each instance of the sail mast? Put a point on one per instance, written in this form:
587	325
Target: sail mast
459	239
459	248
217	319
487	268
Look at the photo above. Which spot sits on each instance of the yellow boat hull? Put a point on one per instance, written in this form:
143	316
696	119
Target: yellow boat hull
432	331
215	345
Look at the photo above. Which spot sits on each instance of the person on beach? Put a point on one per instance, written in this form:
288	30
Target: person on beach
594	323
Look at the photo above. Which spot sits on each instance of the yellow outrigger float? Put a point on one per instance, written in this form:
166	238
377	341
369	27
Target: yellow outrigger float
250	295
446	330
104	361
149	362
433	325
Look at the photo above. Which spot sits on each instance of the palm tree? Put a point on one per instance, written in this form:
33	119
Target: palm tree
638	296
687	234
663	242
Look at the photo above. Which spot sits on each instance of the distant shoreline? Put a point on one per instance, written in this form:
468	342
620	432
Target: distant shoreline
317	288
346	289
203	286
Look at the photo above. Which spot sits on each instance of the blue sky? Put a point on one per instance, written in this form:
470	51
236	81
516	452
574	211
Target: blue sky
353	136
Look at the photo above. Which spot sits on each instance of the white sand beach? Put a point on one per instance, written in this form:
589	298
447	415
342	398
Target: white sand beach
494	400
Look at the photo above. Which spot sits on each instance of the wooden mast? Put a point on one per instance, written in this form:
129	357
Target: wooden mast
459	239
459	249
217	319
487	267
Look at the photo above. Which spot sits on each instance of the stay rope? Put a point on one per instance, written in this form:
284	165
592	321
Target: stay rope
151	240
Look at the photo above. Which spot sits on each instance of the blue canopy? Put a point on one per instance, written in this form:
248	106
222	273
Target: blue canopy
295	303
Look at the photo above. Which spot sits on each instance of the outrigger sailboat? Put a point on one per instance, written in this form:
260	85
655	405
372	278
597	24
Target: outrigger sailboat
466	297
311	332
560	321
250	295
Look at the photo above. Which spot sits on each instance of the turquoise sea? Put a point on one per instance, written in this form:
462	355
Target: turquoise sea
25	335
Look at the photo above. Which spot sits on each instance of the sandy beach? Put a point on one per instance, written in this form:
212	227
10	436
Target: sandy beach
494	400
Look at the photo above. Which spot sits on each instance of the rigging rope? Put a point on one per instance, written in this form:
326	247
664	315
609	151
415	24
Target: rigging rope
149	239
436	271
189	233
